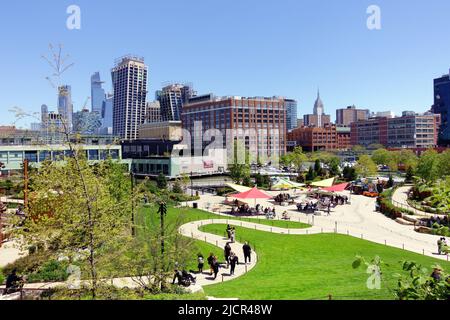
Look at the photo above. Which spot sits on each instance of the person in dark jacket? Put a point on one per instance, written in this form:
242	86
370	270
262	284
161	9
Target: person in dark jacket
247	252
229	231
13	283
227	251
215	267
234	260
210	263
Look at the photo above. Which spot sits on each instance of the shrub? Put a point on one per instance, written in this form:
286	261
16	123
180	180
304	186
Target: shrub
27	264
2	277
51	271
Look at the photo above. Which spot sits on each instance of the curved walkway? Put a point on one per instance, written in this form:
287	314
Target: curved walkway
400	199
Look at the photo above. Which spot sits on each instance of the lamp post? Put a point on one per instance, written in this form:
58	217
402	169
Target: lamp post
133	232
192	186
162	212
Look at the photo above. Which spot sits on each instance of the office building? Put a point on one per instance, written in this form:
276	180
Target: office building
318	118
86	122
442	107
291	114
345	117
411	130
129	78
65	107
328	137
107	115
97	93
259	123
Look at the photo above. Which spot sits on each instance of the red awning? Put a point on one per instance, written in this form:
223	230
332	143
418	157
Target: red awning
337	188
254	193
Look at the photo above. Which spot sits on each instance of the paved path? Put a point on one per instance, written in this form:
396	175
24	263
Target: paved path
400	199
358	219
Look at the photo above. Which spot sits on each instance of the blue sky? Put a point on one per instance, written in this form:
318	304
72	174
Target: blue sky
246	48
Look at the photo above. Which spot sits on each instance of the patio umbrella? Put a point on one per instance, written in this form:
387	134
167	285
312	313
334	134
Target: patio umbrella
324	183
238	187
252	194
337	188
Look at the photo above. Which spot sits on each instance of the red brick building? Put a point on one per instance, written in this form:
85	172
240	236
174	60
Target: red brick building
326	138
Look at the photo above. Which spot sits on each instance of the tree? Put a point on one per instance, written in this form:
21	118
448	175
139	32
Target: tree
161	181
409	175
349	174
77	209
334	166
427	166
318	168
176	188
295	158
311	175
381	156
365	166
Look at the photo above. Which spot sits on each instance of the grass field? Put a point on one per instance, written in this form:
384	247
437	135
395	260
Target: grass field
312	267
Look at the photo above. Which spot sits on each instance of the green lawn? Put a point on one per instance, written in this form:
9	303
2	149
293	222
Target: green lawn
186	214
312	267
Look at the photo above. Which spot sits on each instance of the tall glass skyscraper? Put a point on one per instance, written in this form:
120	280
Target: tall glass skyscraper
442	107
107	115
172	98
291	114
97	93
129	78
65	106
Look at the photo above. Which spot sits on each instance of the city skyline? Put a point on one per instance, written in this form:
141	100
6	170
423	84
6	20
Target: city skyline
322	45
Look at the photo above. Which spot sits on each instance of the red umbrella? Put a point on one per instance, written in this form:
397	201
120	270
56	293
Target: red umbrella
254	193
337	188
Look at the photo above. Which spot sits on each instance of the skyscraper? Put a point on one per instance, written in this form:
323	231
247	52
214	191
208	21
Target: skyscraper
442	106
107	115
318	118
129	78
291	114
65	106
97	93
172	98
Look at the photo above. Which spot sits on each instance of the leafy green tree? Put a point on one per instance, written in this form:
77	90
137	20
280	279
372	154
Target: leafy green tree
381	156
77	209
311	175
176	188
365	166
318	168
409	174
427	166
334	166
161	181
349	174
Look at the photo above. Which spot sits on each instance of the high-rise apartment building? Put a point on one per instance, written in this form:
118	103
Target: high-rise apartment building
258	123
97	93
442	107
65	106
345	117
172	98
291	114
129	78
411	130
153	113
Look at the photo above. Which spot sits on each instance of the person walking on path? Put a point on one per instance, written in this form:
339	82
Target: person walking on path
215	267
201	263
247	252
234	260
229	232
233	235
210	263
439	244
227	252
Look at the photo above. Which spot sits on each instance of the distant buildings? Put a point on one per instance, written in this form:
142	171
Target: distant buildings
382	114
344	117
328	137
172	98
318	118
169	130
153	113
97	93
259	123
291	114
442	107
86	122
65	107
107	115
129	78
411	130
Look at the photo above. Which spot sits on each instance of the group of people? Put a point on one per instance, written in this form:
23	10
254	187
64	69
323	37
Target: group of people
437	220
231	233
242	209
231	258
283	197
442	246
